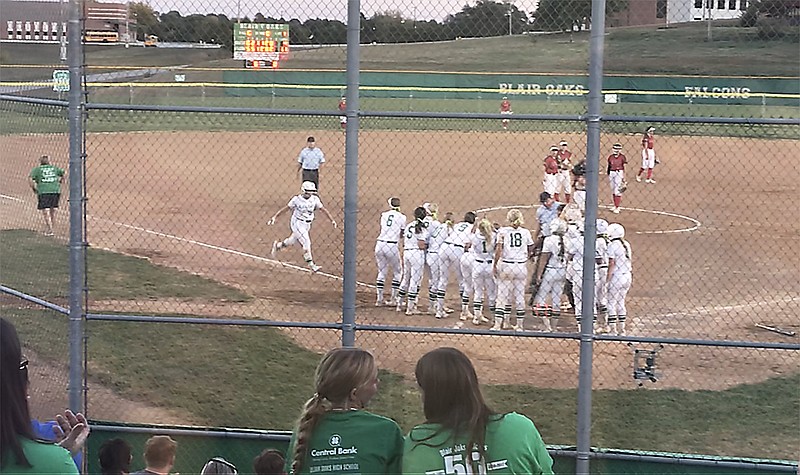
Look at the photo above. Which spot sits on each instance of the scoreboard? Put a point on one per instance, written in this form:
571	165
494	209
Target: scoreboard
260	41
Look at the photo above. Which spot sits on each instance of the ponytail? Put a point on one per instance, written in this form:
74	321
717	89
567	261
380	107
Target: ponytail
420	225
625	245
315	408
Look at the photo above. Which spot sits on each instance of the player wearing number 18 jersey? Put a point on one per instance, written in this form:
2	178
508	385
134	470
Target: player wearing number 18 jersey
387	253
514	248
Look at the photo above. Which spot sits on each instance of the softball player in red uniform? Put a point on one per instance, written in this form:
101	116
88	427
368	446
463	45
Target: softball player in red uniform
550	181
342	109
564	159
648	155
616	174
505	109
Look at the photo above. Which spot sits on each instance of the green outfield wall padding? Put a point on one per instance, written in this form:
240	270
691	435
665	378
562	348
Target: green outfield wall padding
239	446
670	89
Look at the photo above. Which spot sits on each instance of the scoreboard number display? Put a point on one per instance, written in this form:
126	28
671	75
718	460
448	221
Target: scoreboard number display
260	41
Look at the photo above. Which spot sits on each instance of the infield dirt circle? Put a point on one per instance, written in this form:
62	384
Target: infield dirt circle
199	201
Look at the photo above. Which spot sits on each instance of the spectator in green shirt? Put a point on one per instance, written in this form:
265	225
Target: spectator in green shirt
335	434
46	182
461	434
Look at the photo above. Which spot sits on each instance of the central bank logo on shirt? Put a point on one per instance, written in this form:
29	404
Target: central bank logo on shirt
335	440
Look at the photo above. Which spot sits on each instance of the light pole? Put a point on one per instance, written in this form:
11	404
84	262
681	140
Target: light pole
508	13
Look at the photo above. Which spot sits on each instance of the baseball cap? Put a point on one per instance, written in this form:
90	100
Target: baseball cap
309	186
505	97
563	142
617	146
651	129
544	196
554	148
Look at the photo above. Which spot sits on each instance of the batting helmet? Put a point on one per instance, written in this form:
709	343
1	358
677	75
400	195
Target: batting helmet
602	226
616	231
308	187
558	227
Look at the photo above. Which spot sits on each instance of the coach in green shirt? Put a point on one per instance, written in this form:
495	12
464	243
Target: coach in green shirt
46	182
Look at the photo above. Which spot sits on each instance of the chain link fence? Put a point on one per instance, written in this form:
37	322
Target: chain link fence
192	139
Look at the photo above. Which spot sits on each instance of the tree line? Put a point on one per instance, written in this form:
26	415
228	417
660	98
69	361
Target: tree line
484	19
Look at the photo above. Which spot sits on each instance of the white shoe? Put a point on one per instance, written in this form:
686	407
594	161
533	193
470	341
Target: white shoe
448	310
399	307
615	210
440	315
314	268
274	248
466	315
479	319
638	178
411	311
652	181
507	325
548	328
518	328
378	303
495	328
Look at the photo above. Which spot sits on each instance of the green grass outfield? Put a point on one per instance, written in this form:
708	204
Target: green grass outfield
267	377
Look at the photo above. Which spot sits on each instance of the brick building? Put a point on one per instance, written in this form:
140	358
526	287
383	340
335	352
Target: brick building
44	22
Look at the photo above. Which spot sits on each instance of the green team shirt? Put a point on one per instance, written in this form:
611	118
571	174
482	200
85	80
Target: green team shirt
46	458
47	178
512	446
353	443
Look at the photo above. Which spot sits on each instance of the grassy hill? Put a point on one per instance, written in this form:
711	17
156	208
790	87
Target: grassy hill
680	49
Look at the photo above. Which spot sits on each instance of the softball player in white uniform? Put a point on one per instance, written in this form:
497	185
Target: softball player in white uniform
415	241
601	270
437	234
450	254
552	277
574	243
467	263
513	249
387	253
303	207
483	283
619	277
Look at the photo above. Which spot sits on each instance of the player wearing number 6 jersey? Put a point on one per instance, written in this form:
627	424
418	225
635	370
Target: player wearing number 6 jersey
387	252
415	241
513	249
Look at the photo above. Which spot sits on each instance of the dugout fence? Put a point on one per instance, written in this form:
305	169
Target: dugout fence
183	319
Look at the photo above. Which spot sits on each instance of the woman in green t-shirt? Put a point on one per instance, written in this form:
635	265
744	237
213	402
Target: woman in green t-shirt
461	434
335	434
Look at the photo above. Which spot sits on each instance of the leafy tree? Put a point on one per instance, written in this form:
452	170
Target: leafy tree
566	15
146	20
487	18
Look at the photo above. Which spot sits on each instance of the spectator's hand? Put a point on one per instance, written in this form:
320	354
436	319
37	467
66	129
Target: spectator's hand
72	431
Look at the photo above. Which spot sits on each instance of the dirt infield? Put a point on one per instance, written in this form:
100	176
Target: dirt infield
724	259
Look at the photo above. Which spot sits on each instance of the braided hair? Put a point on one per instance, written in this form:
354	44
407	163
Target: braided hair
626	245
420	214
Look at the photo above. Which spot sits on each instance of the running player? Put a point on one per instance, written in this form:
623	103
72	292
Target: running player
564	159
415	241
387	253
616	174
513	249
450	254
648	155
483	283
342	109
303	207
619	277
505	109
550	181
551	276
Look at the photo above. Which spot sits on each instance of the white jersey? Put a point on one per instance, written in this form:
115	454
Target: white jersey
393	223
411	237
460	234
437	232
620	251
303	208
556	246
574	243
601	251
515	244
482	249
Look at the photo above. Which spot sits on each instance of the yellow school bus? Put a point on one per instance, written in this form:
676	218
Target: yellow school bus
101	36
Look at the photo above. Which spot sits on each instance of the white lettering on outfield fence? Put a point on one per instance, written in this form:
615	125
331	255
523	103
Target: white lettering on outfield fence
717	92
536	89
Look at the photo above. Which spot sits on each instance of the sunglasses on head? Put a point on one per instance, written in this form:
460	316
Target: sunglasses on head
23	365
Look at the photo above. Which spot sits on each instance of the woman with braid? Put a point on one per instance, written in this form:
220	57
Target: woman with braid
619	278
461	433
552	277
335	434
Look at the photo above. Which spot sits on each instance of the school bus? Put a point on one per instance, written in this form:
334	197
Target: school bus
94	36
150	41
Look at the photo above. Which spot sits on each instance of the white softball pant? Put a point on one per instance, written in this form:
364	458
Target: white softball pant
564	181
648	158
550	183
483	282
600	287
615	180
576	277
467	263
387	255
300	229
511	280
552	286
413	267
434	264
618	287
450	261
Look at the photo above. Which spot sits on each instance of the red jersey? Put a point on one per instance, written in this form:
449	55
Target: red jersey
342	105
617	162
648	141
550	165
563	157
505	106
